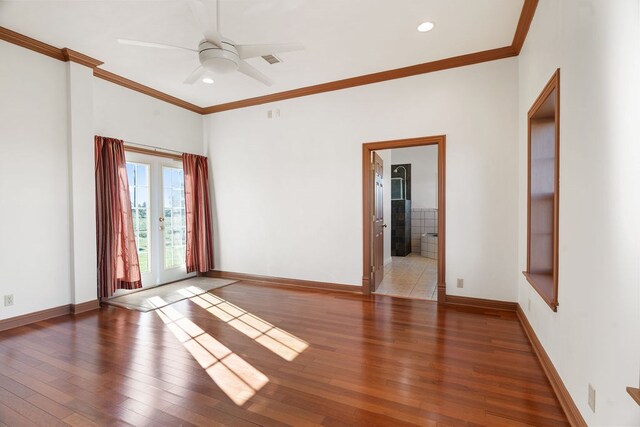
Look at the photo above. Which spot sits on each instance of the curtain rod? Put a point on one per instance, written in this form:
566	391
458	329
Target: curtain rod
153	147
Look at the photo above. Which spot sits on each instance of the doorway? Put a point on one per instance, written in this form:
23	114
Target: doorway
412	269
156	188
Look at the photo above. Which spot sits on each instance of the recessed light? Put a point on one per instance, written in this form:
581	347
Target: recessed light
208	80
426	26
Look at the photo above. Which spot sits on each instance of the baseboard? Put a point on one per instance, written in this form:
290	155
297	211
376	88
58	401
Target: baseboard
85	306
480	303
49	313
568	405
38	316
284	281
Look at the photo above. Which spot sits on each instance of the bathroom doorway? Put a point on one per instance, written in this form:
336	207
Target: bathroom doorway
404	244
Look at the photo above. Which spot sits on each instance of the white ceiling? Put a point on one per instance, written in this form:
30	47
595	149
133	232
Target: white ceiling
342	38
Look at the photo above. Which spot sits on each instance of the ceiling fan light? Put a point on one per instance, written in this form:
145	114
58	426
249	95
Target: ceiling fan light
208	80
426	26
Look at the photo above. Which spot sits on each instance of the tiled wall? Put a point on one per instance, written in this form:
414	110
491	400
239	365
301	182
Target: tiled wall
429	246
423	221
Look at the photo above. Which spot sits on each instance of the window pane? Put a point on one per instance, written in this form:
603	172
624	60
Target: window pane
130	173
142	175
168	257
142	197
166	177
143	260
173	199
138	176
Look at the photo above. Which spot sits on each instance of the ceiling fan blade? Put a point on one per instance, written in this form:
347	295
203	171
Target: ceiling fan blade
151	44
248	70
195	75
253	50
206	13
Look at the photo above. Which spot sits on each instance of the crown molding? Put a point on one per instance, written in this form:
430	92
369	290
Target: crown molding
398	73
130	84
526	17
66	55
80	58
70	55
31	44
524	22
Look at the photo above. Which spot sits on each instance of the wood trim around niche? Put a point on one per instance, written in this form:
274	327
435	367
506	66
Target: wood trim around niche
537	281
367	149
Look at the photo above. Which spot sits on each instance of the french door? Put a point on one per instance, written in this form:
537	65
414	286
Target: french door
156	188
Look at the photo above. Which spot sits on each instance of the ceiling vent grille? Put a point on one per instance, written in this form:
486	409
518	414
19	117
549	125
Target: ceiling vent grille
271	59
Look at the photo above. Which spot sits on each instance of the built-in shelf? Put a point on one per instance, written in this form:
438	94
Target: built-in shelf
543	192
542	196
635	394
544	285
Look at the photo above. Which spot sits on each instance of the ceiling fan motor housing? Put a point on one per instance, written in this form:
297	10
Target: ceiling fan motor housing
218	59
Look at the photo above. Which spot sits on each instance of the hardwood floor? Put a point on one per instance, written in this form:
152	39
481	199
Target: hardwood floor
284	356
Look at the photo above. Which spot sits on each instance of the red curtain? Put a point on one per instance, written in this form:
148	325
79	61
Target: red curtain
118	266
196	192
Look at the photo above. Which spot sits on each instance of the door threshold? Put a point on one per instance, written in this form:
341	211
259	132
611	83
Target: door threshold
404	297
133	291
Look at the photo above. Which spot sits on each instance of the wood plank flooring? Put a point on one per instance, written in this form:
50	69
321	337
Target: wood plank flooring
252	354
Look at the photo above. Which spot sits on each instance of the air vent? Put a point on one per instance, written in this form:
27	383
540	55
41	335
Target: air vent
271	59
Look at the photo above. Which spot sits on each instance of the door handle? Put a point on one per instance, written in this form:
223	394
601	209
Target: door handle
384	225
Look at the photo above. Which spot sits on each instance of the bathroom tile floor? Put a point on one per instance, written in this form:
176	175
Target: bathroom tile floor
412	276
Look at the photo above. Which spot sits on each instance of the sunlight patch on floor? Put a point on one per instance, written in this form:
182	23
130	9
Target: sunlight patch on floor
280	342
236	377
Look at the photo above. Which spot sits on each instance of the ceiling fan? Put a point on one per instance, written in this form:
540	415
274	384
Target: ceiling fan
217	53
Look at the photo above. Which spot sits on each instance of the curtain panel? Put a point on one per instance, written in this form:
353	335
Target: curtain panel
196	191
118	266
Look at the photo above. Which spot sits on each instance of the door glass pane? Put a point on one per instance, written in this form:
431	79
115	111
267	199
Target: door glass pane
175	224
138	176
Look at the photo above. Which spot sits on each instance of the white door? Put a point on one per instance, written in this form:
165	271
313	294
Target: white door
156	187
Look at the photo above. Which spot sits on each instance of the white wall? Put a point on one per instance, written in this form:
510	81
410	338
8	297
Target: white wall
35	255
424	174
50	111
287	190
125	114
594	338
82	183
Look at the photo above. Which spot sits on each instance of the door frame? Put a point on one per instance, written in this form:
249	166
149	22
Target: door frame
156	163
367	199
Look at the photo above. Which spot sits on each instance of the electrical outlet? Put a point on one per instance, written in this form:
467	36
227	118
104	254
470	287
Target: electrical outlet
8	300
592	398
461	283
270	114
529	304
